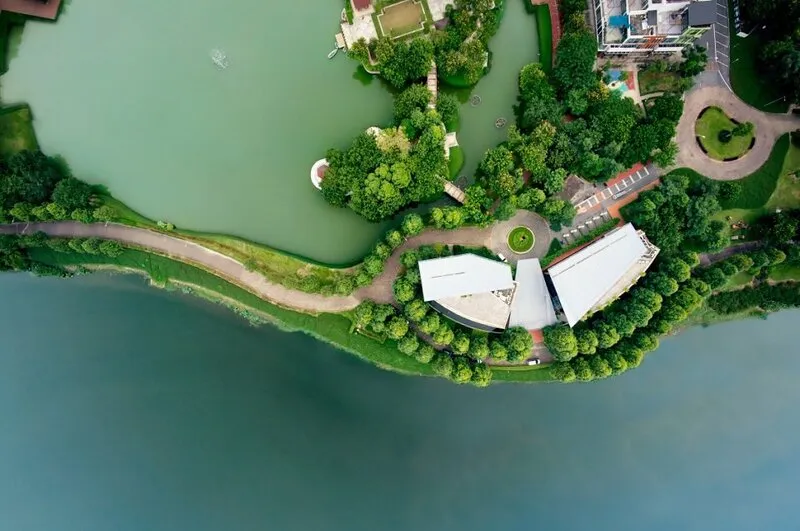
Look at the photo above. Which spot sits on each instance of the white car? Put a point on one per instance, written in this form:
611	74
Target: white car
534	361
502	257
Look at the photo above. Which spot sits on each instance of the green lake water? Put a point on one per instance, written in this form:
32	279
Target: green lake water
128	408
128	94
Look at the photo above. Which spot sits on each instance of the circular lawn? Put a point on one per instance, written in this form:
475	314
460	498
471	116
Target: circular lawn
521	239
722	138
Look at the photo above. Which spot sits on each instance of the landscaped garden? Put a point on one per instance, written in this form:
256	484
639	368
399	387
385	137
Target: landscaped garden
521	239
721	137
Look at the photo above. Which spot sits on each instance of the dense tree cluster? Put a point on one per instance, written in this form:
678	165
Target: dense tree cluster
461	47
378	175
777	24
763	297
678	212
35	187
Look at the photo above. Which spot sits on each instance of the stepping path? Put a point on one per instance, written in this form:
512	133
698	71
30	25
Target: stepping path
235	272
769	127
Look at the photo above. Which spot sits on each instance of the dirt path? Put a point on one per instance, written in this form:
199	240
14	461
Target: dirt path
769	127
232	270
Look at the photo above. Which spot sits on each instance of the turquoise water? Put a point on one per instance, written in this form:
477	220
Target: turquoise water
129	408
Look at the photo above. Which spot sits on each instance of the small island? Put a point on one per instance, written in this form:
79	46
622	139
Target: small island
605	219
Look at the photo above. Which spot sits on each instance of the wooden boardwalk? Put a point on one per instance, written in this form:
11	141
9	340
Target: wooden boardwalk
455	192
433	85
33	8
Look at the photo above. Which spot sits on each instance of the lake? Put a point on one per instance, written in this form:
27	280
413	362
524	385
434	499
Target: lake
130	408
128	94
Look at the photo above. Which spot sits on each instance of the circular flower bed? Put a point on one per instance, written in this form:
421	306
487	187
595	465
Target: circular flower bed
521	240
721	137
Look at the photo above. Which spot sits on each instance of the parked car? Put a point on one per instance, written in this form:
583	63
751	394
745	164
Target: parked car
534	361
502	257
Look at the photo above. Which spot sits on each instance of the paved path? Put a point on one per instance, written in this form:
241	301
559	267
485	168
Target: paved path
768	128
233	271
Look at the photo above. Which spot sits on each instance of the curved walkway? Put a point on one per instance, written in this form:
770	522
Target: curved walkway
769	127
193	253
226	267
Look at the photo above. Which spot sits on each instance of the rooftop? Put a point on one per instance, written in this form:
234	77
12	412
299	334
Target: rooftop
461	275
532	307
589	277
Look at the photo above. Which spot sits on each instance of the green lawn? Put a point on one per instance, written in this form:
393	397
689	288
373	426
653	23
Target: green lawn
784	272
521	239
746	80
651	81
545	31
758	187
787	191
456	161
16	130
708	128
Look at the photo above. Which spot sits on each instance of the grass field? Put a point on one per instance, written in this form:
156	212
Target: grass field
521	239
708	128
747	81
651	81
402	18
758	187
456	161
545	32
16	130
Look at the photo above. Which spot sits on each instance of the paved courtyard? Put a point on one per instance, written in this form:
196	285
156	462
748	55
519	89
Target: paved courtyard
438	7
361	28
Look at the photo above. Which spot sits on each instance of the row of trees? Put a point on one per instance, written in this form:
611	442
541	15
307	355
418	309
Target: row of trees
461	47
35	187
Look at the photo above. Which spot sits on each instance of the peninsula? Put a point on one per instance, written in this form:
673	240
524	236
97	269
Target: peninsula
638	189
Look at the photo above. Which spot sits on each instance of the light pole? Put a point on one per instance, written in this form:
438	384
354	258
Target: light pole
779	99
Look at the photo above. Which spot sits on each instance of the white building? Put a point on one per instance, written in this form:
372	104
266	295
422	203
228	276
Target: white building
469	289
649	26
598	274
532	307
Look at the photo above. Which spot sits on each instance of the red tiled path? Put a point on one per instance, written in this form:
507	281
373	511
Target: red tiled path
32	8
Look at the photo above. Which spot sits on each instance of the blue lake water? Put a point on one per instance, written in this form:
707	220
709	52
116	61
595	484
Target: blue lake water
128	408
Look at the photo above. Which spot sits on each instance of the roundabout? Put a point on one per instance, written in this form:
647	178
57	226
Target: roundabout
721	137
521	240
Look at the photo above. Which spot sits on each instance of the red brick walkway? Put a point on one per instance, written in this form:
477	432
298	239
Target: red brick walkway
32	8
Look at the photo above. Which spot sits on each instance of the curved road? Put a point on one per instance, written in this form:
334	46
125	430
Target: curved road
769	127
226	267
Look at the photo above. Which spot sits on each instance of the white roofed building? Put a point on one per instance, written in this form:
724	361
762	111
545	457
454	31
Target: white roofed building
469	289
532	307
590	279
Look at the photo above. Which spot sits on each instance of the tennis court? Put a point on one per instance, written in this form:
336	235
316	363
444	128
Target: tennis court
402	18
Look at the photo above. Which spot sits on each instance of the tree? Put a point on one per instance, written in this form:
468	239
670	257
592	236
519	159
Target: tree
676	268
561	342
110	248
364	314
442	364
462	372
415	97
574	65
729	191
21	211
412	224
600	367
586	341
460	343
416	310
72	194
430	323
743	129
607	335
57	211
505	210
498	350
518	342
28	177
666	107
447	106
91	245
40	212
397	327
478	346
563	372
409	259
780	228
409	344
661	283
583	371
373	265
84	215
481	375
694	61
530	199
443	335
425	354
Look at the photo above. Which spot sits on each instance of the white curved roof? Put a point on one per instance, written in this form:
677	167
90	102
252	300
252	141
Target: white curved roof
463	274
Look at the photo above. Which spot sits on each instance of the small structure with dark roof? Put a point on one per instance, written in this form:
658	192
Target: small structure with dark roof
34	8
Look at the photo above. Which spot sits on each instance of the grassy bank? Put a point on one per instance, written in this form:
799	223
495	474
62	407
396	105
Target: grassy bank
747	81
545	33
16	130
334	329
758	187
456	161
331	328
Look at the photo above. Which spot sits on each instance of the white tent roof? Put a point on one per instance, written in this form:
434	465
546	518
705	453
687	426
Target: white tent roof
532	307
583	279
463	274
